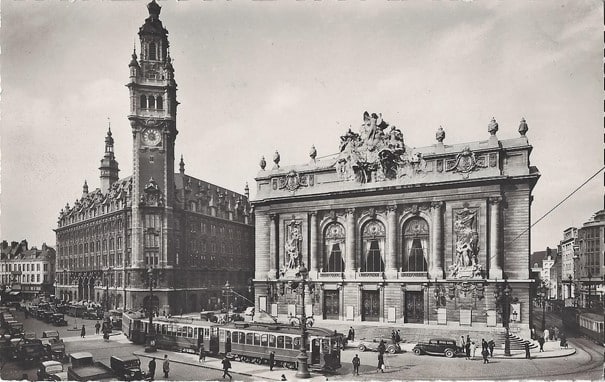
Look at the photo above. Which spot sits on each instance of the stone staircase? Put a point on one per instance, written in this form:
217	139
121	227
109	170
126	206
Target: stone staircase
516	343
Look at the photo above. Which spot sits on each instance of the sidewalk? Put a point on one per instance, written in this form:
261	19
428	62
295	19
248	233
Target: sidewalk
253	370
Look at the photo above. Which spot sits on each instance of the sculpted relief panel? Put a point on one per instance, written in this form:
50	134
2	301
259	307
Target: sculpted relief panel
466	262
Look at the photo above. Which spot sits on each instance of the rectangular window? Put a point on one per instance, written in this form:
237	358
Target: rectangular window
256	339
288	342
271	340
249	338
264	340
242	338
234	337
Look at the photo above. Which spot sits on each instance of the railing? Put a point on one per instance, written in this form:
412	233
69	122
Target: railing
414	274
371	274
330	275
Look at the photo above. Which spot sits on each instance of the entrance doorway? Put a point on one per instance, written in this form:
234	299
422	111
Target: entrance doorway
371	305
414	307
331	304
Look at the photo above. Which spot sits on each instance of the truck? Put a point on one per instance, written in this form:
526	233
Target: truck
127	368
83	368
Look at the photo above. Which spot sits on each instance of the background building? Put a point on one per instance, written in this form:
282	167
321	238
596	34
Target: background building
27	272
195	236
569	260
397	234
591	241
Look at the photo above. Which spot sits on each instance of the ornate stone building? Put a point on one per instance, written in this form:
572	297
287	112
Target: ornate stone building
195	235
26	272
396	234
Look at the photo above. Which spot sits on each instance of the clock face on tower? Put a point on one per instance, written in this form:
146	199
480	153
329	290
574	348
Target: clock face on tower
151	137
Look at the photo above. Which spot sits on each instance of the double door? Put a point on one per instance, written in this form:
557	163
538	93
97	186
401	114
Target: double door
414	307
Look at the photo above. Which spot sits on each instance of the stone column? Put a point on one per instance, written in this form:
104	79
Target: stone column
495	251
273	254
436	261
351	264
391	255
314	245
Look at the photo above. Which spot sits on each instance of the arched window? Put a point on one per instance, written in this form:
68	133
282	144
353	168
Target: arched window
152	52
334	240
143	102
159	104
415	245
373	237
151	100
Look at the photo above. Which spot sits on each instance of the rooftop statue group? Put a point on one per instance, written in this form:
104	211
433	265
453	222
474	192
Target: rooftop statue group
377	153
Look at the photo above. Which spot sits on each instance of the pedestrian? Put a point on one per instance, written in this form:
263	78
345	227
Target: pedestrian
283	377
356	363
381	347
491	345
485	353
166	366
228	345
398	336
202	353
380	362
152	369
351	336
474	348
271	360
483	344
541	342
526	345
533	332
467	350
463	343
97	327
394	337
552	334
546	334
83	331
226	367
556	333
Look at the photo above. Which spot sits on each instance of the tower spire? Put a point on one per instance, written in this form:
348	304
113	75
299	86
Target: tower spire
109	166
182	166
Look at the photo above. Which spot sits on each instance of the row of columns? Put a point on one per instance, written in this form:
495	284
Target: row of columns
269	263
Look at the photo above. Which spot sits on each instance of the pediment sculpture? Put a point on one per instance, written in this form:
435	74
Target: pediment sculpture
466	263
152	195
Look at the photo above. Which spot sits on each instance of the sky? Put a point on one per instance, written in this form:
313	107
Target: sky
258	76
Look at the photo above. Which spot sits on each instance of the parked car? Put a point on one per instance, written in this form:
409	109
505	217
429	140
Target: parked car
32	351
53	344
92	314
127	368
372	344
438	346
28	336
51	371
59	319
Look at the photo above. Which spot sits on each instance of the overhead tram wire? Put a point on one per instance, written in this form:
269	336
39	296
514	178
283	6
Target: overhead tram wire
558	204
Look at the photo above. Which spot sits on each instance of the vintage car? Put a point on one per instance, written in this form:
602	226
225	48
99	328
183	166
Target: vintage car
53	344
32	351
28	336
47	316
59	319
92	314
127	368
51	371
373	344
438	346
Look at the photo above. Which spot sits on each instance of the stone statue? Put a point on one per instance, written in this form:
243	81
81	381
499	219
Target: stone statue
466	264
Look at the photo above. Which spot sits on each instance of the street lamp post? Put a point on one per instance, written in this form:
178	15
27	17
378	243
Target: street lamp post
589	288
502	294
107	272
150	343
227	293
543	289
303	367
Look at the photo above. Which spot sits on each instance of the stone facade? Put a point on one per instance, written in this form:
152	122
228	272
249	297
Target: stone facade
591	262
396	234
193	234
26	272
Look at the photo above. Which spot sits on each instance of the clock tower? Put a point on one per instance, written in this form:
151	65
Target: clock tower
152	118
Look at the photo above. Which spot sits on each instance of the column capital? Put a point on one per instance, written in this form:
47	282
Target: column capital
350	211
273	216
313	213
494	200
437	205
391	208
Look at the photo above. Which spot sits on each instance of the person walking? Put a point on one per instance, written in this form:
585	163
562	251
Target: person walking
556	333
467	350
485	353
491	345
226	366
271	360
483	345
526	346
202	353
351	336
474	349
97	327
541	342
380	362
398	336
356	363
166	366
546	334
381	347
83	332
152	369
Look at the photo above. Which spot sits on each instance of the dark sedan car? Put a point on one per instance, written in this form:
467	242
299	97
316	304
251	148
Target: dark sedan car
438	346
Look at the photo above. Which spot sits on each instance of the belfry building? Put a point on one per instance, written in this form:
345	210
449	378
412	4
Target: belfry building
394	234
155	238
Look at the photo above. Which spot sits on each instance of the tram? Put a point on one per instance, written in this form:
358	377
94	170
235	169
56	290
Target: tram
588	324
246	342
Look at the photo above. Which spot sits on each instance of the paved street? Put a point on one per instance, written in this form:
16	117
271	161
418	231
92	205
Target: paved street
586	363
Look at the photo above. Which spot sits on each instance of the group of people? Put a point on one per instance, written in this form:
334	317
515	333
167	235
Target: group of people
165	367
470	348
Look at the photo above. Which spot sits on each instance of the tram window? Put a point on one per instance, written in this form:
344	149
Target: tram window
234	337
179	331
242	337
206	332
227	334
280	342
249	338
256	339
271	340
189	332
263	340
163	329
297	343
288	342
170	330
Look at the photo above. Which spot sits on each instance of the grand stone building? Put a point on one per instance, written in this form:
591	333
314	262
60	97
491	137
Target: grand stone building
395	234
26	272
195	236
